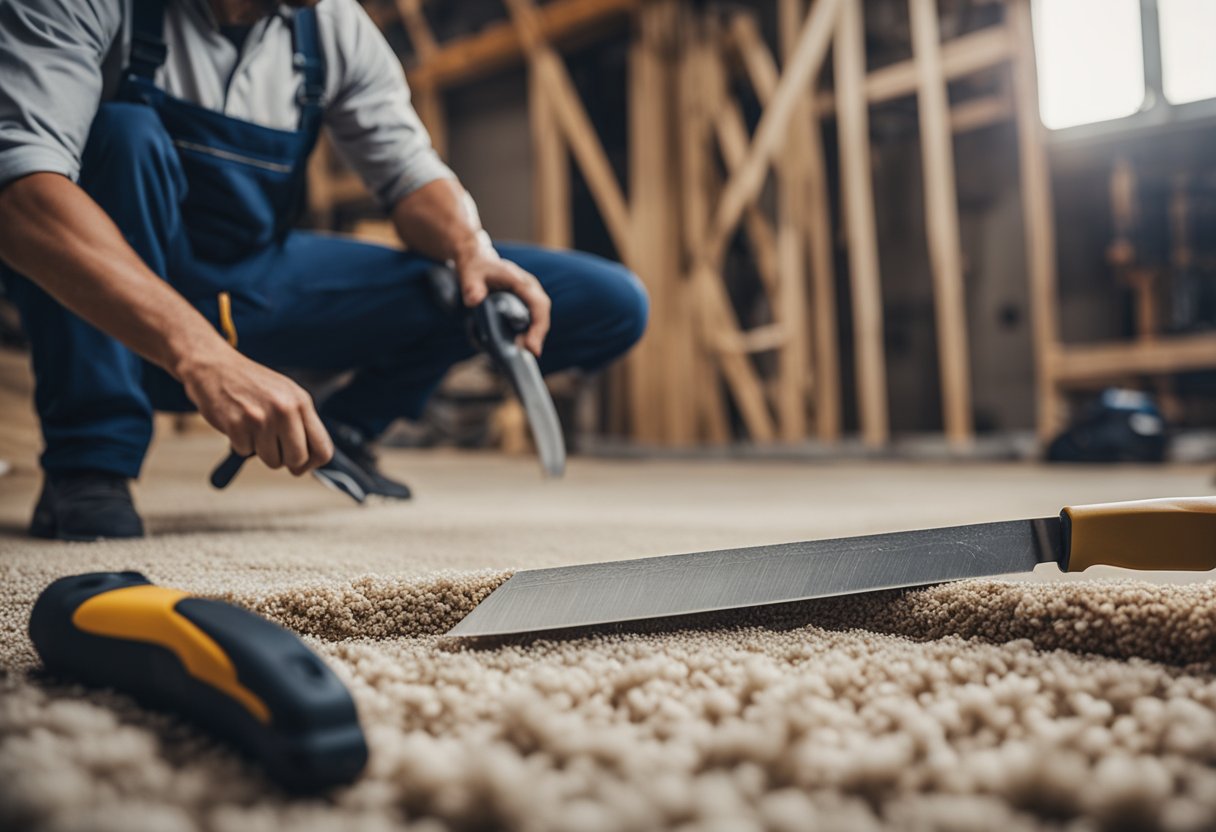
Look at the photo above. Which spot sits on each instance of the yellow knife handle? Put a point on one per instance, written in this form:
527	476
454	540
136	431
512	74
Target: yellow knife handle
1170	534
239	676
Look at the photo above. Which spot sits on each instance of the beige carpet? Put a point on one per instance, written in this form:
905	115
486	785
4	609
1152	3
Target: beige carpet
1041	703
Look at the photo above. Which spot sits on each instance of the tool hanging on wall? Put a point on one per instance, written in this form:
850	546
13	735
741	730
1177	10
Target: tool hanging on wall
1171	534
493	325
235	674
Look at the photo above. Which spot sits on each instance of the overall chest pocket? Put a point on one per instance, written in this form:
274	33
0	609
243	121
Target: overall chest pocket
236	200
244	180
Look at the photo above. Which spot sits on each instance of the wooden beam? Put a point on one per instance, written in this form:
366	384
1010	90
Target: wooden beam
651	217
1109	360
570	114
428	103
551	212
588	151
813	42
790	306
731	130
716	316
941	220
762	72
981	112
717	321
961	56
428	99
414	21
660	27
757	339
551	171
697	96
821	249
1038	215
499	44
857	186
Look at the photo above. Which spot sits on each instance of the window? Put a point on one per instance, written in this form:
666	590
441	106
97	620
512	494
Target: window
1188	52
1107	60
1090	59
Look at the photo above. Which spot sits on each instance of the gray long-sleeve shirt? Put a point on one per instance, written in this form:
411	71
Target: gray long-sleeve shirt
60	58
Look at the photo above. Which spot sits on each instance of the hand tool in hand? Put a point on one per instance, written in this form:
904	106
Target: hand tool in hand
340	474
234	673
1168	534
494	326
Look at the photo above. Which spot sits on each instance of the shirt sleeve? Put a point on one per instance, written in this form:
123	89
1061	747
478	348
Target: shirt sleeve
368	111
51	54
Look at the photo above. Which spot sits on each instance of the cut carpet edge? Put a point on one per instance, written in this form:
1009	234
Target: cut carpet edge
1121	619
780	725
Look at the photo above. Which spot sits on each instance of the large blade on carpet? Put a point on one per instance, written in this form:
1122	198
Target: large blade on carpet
1150	534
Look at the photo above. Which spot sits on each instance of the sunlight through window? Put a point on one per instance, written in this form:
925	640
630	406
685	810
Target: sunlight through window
1090	60
1188	57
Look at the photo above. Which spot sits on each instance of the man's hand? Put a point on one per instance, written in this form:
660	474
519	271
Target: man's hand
484	271
440	220
260	411
55	234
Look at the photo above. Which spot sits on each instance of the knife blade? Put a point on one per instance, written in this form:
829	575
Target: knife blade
521	368
339	474
494	327
1152	534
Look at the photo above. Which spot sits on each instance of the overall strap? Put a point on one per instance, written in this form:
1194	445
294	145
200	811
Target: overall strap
307	58
148	48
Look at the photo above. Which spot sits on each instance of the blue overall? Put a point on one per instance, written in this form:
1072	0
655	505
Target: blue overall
208	201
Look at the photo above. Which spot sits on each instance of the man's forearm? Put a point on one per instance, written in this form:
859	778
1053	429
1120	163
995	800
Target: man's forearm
56	235
52	232
440	220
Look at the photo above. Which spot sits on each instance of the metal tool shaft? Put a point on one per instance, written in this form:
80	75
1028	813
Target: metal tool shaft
602	593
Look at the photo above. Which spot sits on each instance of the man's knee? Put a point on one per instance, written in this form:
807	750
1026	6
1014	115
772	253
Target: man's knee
613	306
632	307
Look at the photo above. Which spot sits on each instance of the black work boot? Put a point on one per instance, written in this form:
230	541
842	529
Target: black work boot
359	469
85	505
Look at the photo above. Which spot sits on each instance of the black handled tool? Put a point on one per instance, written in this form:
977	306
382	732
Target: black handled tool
227	470
334	474
494	325
234	673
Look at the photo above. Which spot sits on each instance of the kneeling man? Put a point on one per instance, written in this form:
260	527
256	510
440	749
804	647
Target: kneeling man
152	162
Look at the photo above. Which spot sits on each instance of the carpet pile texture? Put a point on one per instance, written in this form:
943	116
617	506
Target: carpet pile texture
985	704
993	704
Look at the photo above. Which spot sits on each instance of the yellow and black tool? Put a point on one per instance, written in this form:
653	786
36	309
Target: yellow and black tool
236	674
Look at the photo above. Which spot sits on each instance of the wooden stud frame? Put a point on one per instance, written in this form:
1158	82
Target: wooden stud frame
678	220
806	144
852	121
941	220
